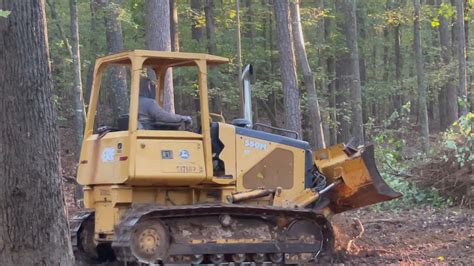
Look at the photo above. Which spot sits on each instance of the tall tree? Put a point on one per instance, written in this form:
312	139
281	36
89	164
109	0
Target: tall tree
158	37
448	95
79	112
196	29
174	25
210	27
211	47
322	65
314	114
349	7
420	73
461	56
33	225
331	73
117	81
398	63
287	67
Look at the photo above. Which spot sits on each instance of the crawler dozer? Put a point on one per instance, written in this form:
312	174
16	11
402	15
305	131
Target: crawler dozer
218	193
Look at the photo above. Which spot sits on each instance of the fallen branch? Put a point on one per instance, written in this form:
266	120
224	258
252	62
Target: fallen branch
393	221
352	241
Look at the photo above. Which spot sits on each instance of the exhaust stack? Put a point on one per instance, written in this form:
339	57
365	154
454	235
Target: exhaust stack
247	96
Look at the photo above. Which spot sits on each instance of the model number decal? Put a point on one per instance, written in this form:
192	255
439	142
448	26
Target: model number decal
187	169
255	144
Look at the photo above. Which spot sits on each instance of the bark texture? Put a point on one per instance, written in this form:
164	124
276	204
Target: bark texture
287	67
448	95
349	8
79	110
462	91
158	37
212	49
117	82
314	114
331	73
33	225
196	29
420	73
174	25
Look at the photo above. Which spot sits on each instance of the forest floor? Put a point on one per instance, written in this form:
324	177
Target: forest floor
421	235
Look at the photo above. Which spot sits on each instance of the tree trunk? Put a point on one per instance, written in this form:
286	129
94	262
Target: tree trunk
461	57
94	7
287	67
448	95
117	81
398	70
343	83
331	73
33	225
323	83
158	38
211	48
196	29
250	27
357	130
317	134
79	112
423	112
174	31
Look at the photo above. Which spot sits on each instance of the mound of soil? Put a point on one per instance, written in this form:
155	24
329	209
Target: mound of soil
417	236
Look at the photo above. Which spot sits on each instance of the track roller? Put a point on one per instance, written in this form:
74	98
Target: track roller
238	258
276	257
216	258
197	259
259	257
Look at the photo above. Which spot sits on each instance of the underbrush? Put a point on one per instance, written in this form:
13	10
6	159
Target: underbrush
440	179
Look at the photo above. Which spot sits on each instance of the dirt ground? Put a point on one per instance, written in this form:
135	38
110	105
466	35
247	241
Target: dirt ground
417	236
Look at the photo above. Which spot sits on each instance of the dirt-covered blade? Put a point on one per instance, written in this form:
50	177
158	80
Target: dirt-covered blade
361	185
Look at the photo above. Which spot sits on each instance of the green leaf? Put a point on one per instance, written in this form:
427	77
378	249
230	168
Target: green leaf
4	13
435	23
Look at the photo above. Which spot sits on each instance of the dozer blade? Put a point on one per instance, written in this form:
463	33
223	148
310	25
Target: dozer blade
361	183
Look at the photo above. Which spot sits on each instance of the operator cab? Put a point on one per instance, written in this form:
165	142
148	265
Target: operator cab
116	149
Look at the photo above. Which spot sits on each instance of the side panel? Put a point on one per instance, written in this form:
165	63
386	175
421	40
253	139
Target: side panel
104	160
267	164
169	162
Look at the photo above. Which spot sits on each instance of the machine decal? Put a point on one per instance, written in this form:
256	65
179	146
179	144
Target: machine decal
184	154
166	154
255	145
108	155
186	169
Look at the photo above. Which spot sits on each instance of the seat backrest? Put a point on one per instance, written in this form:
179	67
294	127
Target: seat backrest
122	122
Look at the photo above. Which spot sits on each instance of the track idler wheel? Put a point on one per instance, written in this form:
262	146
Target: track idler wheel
150	241
86	248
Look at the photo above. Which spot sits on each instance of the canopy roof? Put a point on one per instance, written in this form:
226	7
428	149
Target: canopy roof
162	58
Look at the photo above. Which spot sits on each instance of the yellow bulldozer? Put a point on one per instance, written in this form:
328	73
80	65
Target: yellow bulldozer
217	194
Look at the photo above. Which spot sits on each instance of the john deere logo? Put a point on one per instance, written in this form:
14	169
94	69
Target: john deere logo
184	154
